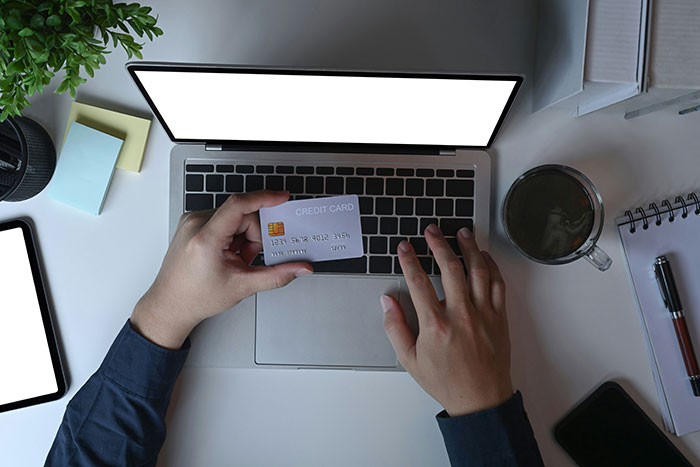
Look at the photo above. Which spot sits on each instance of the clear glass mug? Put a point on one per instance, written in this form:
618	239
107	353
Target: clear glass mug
554	215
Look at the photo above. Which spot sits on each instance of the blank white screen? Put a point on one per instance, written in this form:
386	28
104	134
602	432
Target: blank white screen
327	109
25	362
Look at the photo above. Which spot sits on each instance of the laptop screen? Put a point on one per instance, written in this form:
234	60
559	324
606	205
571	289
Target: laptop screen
197	104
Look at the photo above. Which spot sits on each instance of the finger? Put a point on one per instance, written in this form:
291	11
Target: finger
476	267
249	250
400	335
421	289
261	278
498	285
226	221
454	281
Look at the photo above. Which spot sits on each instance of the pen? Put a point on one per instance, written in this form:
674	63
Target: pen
672	301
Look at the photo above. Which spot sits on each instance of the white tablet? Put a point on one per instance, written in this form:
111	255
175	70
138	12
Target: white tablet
30	367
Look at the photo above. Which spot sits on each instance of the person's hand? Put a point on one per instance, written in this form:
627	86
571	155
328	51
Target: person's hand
461	355
206	269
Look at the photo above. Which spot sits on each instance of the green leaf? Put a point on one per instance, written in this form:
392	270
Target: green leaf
37	21
4	114
2	22
63	87
13	22
53	21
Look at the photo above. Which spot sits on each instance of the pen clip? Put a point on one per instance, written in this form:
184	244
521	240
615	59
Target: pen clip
660	283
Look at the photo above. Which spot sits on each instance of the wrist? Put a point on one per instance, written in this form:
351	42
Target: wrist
468	405
159	324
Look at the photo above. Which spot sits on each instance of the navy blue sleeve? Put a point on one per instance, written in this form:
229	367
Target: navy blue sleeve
118	416
500	436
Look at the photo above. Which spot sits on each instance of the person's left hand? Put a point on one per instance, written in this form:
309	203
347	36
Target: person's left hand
206	269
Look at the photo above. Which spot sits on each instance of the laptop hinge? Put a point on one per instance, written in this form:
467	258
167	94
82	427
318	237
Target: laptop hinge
213	147
448	152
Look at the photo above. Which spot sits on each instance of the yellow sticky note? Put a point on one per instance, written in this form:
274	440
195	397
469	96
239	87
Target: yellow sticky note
133	130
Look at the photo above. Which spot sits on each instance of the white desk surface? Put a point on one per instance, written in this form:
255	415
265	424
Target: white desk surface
572	327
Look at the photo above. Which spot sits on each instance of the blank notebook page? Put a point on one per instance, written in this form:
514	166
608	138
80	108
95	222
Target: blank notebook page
680	242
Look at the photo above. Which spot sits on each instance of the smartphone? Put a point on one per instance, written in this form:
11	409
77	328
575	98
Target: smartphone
609	429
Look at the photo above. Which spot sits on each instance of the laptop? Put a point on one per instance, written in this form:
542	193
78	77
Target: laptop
411	145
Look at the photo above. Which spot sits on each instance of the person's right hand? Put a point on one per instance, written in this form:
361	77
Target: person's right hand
461	355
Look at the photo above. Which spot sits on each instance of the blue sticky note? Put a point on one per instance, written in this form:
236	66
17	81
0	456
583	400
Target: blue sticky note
85	168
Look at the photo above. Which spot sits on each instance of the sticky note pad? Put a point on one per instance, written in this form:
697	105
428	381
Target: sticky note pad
133	130
85	168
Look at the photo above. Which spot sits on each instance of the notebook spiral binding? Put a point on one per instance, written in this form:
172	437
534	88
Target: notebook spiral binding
683	204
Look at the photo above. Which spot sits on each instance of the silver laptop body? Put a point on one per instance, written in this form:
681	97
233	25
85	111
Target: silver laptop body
329	319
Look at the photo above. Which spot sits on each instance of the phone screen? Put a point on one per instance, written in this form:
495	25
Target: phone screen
610	429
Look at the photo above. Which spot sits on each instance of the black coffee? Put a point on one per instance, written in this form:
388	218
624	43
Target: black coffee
549	214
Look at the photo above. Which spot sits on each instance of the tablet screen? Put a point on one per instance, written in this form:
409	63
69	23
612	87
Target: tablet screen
26	363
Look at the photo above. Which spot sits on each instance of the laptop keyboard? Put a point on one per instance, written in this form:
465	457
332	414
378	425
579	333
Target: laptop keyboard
396	203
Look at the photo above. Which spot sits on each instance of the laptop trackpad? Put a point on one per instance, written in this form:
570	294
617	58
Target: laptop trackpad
324	321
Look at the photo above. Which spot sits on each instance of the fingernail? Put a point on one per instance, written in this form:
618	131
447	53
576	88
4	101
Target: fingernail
405	246
386	302
465	233
432	228
302	272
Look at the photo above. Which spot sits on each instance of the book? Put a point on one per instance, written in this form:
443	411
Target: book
85	168
669	229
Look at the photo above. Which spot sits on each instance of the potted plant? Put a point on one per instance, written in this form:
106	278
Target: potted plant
37	40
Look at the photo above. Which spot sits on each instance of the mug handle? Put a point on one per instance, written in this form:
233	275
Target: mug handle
598	258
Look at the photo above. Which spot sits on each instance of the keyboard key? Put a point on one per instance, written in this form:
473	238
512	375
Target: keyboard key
264	169
300	197
397	266
274	182
314	185
425	222
434	187
460	188
194	182
414	187
364	244
324	170
244	169
465	173
344	170
199	168
234	183
215	183
374	186
224	168
424	207
385	171
380	264
404	172
294	184
366	205
352	265
404	206
450	227
420	245
394	186
335	185
284	169
443	207
304	169
409	226
253	183
220	199
394	244
425	173
377	245
384	206
354	186
369	225
454	245
364	171
198	202
464	207
426	263
445	173
388	225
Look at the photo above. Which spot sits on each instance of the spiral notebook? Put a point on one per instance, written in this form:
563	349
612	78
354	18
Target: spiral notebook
671	229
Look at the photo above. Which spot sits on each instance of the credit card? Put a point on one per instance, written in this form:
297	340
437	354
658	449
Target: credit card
319	229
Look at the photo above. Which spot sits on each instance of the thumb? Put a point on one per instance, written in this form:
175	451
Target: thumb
400	335
261	278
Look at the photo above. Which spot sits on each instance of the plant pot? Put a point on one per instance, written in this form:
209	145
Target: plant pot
27	159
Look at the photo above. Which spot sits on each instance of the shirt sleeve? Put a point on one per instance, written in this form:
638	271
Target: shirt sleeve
500	436
118	416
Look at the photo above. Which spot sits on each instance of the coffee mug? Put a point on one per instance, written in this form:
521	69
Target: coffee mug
554	215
